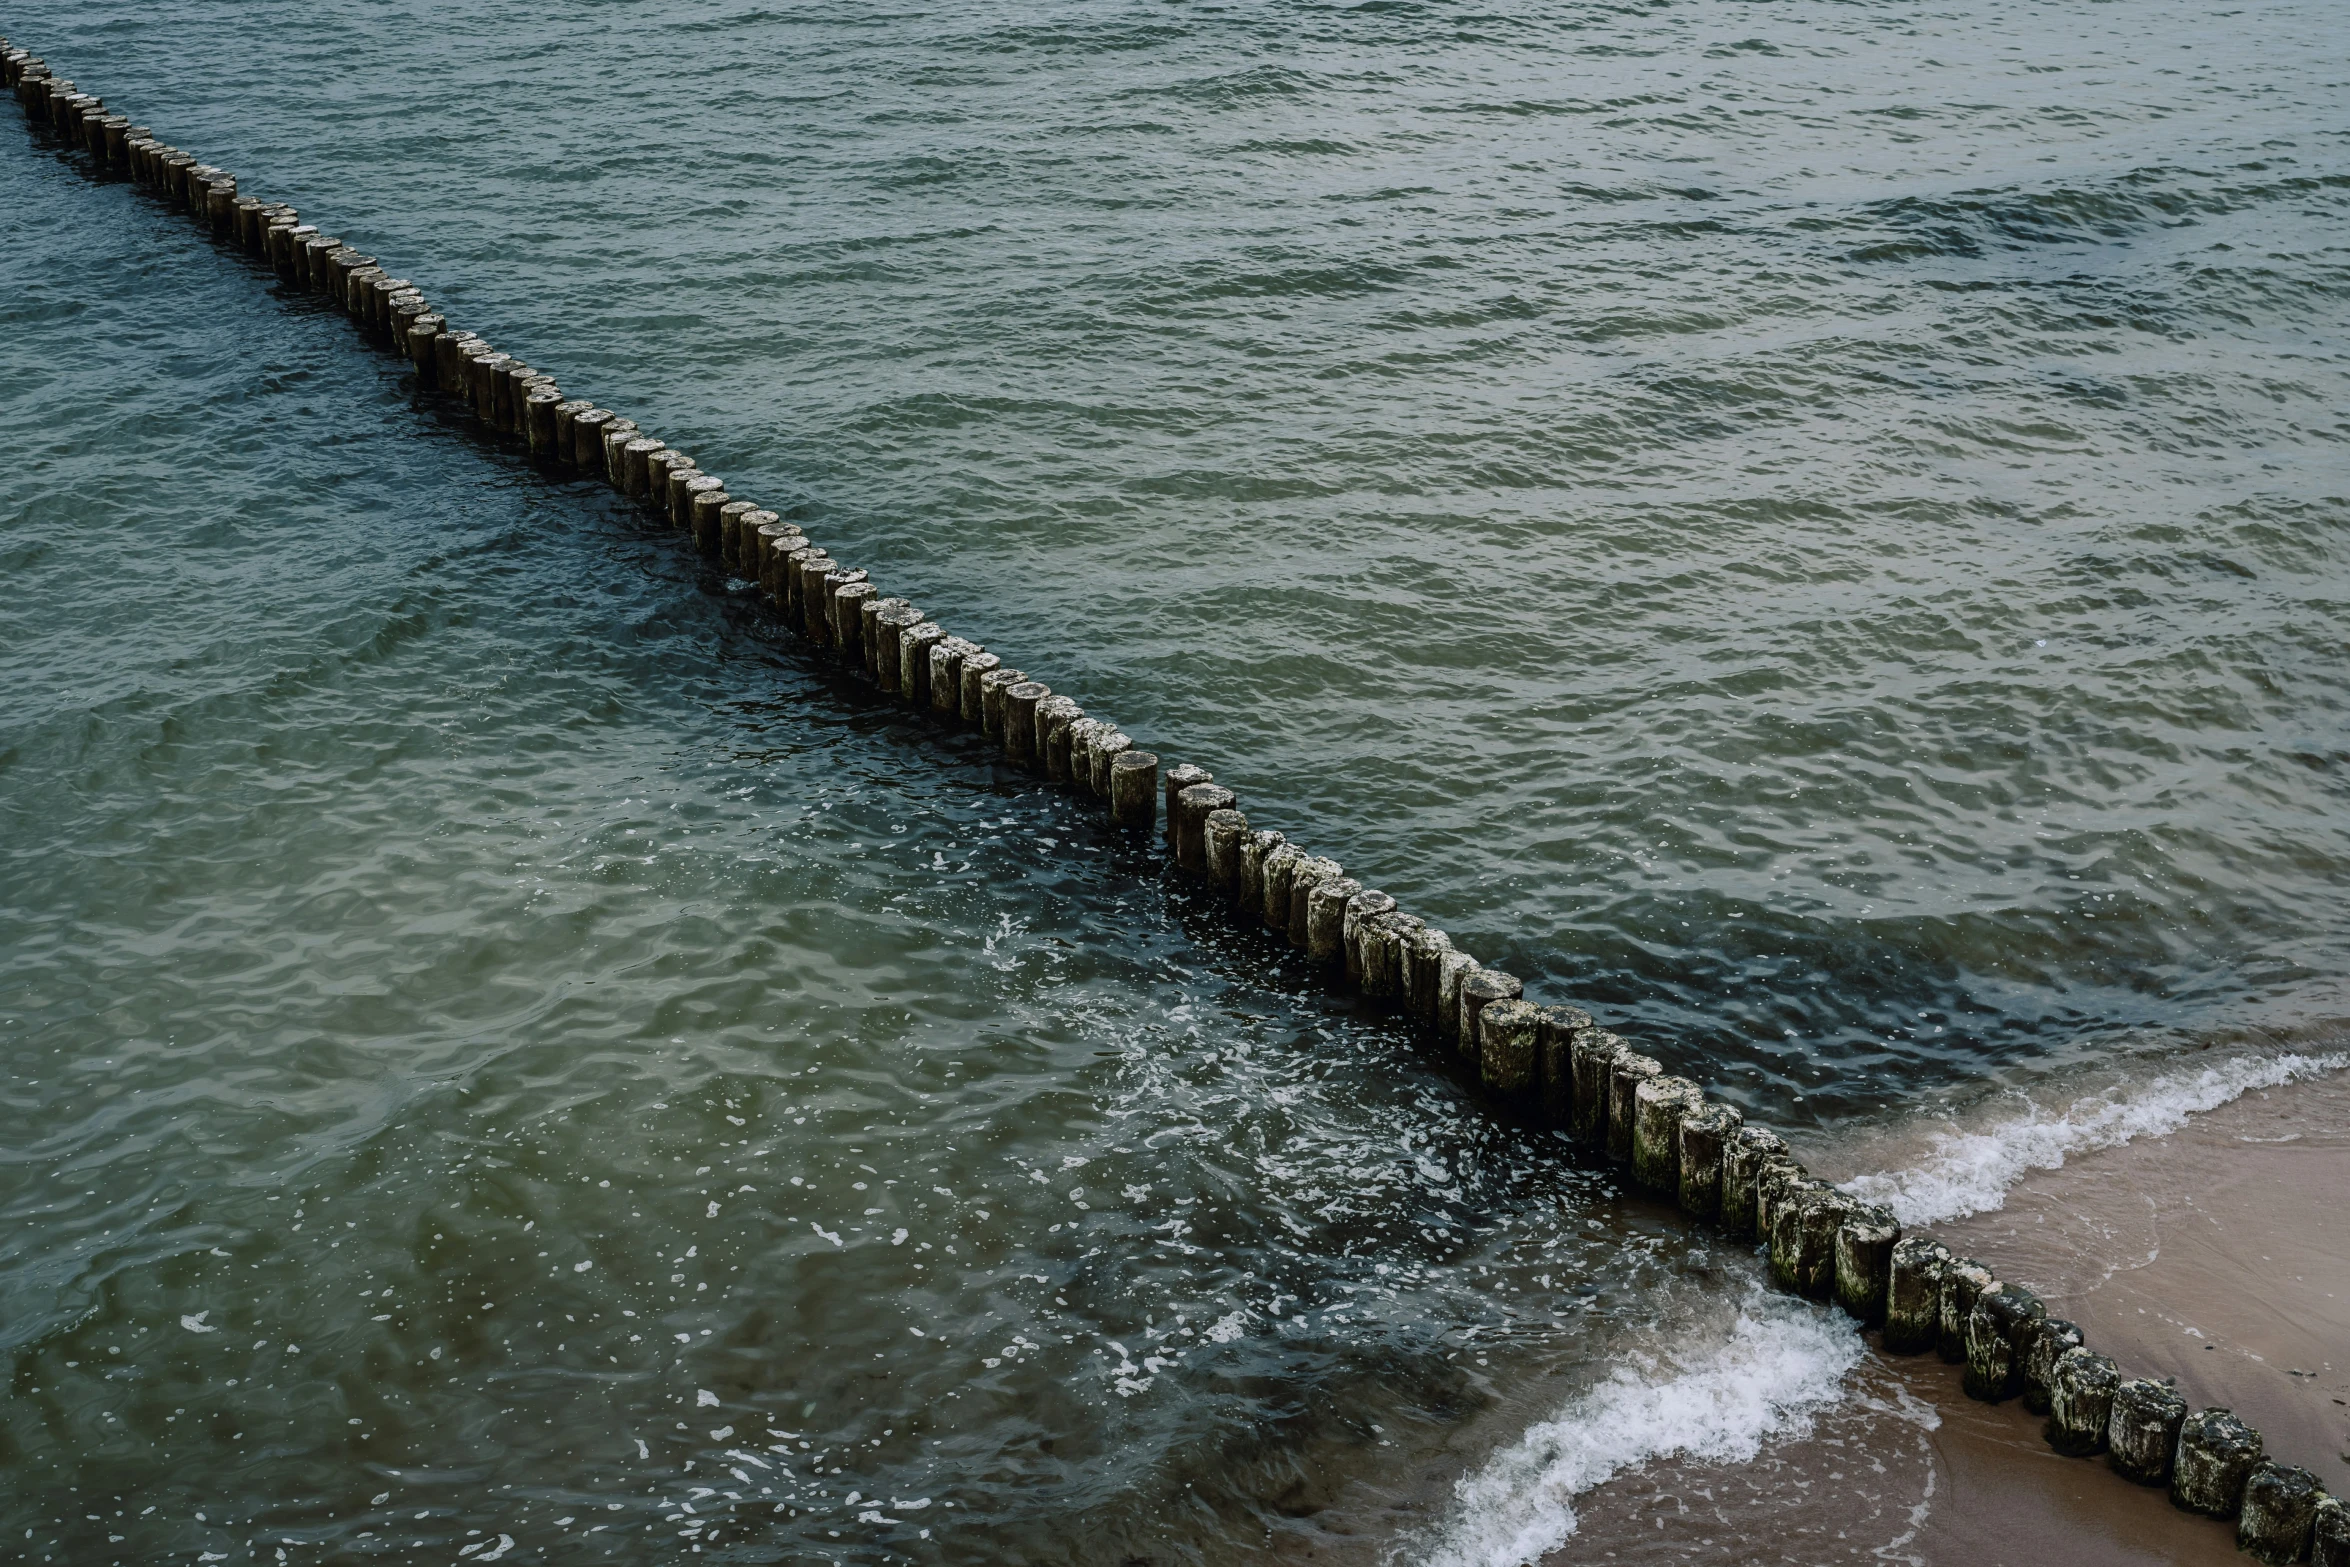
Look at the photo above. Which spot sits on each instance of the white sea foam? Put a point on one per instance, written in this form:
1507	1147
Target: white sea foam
1967	1172
1783	1362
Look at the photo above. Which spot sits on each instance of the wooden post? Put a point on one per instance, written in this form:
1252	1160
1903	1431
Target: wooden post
538	420
249	223
1080	763
506	394
869	638
1822	1218
1744	1153
1326	921
1222	831
1179	778
1995	1336
451	361
842	617
341	263
740	549
946	674
315	250
972	692
1555	1028
1191	839
1362	908
777	541
636	459
1303	878
2142	1433
666	475
701	514
992	682
1480	988
680	507
1249	897
772	541
823	607
1452	973
617	434
1593	1057
2215	1457
401	310
423	349
801	574
709	500
1864	1262
1629	1072
587	439
993	687
736	545
2280	1508
1134	789
1107	748
1705	1134
2329	1534
1913	1295
177	190
1507	1044
1280	879
1182	829
1790	1210
813	600
1423	972
848	615
567	413
1780	1177
1659	1106
521	381
2046	1346
1056	718
2080	1402
1963	1282
1380	943
489	374
915	645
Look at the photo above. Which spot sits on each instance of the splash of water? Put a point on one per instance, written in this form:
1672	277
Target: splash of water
1782	1363
1970	1171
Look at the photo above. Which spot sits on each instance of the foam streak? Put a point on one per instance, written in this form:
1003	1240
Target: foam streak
1970	1172
1783	1363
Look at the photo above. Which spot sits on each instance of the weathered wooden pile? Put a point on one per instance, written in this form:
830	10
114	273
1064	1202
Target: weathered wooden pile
1550	1063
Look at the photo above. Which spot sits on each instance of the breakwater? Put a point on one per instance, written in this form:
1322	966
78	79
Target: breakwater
1526	1053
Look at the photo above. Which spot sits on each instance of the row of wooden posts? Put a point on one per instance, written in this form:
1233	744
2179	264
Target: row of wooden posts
1551	1063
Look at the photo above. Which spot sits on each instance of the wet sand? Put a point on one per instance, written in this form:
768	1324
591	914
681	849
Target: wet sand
2219	1255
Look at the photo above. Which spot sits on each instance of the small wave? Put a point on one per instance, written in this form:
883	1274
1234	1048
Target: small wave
1783	1363
1970	1172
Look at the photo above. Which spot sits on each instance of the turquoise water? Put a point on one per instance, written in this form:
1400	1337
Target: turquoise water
1818	534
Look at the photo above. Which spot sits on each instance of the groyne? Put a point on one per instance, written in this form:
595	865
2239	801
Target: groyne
1549	1061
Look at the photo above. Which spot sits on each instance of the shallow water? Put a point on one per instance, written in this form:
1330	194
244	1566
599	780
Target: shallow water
1817	535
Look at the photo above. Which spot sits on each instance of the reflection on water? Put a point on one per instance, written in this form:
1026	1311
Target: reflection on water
1811	534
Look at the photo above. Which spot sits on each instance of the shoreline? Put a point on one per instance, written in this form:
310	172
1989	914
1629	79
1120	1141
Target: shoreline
2208	1254
2196	1253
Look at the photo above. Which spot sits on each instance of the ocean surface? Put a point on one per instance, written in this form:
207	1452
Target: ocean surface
1818	532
